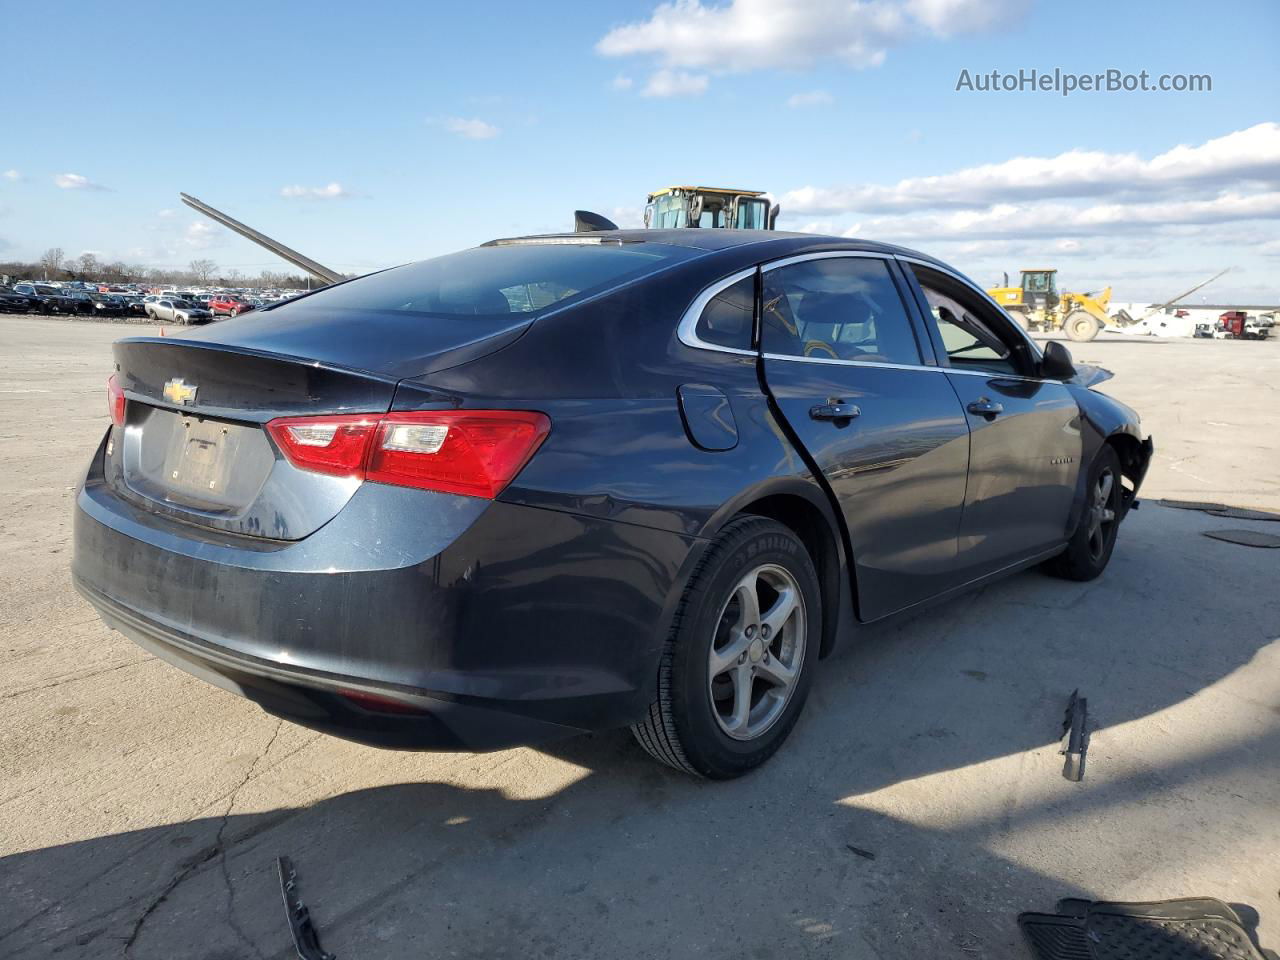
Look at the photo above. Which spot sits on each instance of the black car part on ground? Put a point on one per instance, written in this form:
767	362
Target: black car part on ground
306	941
1075	737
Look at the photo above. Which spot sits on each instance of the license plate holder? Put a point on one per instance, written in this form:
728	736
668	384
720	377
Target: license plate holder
200	463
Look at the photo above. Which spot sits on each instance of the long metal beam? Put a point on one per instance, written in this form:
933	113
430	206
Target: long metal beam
317	270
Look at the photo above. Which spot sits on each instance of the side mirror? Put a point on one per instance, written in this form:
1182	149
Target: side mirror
1056	363
773	216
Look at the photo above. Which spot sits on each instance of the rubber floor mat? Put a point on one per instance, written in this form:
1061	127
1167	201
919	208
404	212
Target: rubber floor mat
1243	513
1246	538
1192	929
1192	505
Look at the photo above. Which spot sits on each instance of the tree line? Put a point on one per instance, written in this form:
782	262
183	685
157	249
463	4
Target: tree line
54	264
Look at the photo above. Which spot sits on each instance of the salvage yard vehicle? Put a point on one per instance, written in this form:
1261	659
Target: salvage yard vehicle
13	302
177	311
106	305
1037	305
53	299
229	306
709	207
577	482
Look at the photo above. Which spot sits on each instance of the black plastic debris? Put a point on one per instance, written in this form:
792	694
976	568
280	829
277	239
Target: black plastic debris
1192	505
864	854
1199	928
1075	737
1246	538
305	939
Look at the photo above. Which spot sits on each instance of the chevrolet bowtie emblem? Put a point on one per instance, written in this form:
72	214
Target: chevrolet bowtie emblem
180	392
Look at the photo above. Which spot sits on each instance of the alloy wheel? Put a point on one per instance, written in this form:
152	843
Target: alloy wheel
1102	515
757	652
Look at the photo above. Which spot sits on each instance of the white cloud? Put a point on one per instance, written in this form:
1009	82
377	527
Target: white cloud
628	218
810	98
1245	155
12	175
1060	219
471	129
948	17
331	191
745	35
198	235
622	82
164	214
675	83
74	181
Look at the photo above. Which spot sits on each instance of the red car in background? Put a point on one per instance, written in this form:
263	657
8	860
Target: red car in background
228	305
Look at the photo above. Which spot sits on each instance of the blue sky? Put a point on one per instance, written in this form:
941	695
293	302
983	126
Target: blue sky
444	125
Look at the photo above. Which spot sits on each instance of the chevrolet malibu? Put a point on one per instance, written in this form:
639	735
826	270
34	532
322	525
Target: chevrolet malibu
569	483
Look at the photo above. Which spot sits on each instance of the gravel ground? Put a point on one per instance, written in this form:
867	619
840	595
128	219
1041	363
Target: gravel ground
141	810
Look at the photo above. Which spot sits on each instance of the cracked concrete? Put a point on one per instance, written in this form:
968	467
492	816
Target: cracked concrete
143	811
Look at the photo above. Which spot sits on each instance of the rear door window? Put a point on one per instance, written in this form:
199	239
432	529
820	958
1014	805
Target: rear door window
836	308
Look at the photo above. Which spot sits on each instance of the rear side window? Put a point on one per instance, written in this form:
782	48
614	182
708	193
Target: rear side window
515	278
726	320
837	308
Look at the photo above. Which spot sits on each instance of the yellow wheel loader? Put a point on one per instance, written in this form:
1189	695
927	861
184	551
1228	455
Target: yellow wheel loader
1037	305
710	207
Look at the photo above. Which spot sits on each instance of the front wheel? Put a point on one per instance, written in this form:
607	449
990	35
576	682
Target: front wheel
1089	549
1082	326
736	668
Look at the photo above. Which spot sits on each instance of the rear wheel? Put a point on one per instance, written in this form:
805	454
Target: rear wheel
1082	326
736	667
1089	550
1020	318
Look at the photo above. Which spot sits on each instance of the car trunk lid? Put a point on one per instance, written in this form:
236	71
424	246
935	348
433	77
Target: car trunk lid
194	446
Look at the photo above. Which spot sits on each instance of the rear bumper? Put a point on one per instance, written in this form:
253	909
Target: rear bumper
322	701
503	624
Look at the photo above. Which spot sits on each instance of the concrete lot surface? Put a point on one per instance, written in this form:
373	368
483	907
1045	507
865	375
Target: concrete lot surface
141	810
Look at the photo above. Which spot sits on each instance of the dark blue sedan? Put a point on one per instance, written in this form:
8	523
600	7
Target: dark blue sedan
568	483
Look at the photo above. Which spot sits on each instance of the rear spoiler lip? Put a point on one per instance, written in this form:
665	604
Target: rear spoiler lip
264	354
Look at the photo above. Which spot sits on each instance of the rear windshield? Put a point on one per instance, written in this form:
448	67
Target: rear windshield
520	278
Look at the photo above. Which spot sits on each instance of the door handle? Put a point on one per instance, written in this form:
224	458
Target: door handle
835	410
987	408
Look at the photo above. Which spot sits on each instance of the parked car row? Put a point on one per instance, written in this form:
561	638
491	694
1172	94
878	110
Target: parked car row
184	308
132	300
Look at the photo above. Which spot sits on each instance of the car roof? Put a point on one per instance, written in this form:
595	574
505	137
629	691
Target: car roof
780	243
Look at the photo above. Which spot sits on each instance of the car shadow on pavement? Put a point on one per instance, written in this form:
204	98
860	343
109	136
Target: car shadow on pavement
916	810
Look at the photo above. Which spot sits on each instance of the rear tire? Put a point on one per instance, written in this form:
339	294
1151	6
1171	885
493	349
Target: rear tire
1082	327
736	667
1090	547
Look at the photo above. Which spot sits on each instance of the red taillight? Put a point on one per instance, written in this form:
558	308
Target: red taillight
472	452
115	401
336	445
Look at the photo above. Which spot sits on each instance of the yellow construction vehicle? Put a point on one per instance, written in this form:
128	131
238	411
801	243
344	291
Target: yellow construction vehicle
673	207
1037	305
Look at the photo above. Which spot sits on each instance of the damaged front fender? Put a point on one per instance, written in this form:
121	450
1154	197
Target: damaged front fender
1105	420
